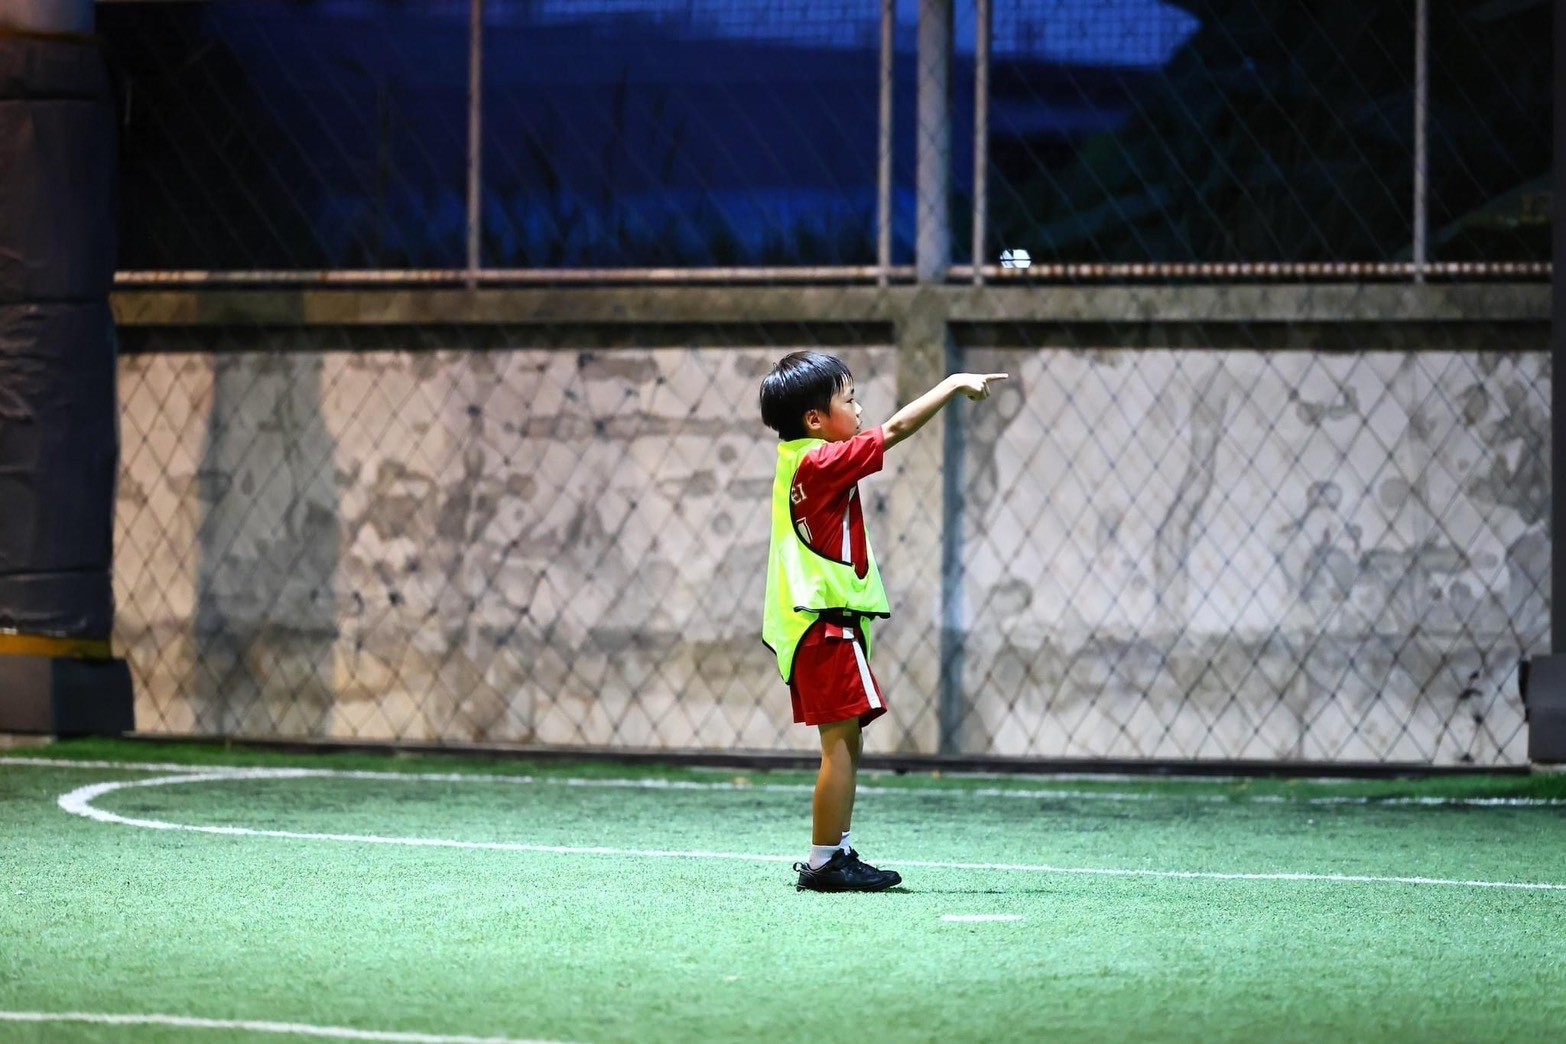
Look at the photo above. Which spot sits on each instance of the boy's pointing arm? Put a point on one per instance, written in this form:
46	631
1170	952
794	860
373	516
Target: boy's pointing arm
913	416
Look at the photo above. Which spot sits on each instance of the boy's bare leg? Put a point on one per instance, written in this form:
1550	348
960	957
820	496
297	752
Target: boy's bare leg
855	748
833	807
831	867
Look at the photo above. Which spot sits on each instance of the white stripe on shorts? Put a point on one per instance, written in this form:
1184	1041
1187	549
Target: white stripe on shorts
864	676
848	547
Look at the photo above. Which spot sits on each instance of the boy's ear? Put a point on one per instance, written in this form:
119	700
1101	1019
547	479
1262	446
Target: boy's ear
812	420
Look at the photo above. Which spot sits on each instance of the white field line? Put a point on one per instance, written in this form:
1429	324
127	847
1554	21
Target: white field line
292	1028
1049	794
80	802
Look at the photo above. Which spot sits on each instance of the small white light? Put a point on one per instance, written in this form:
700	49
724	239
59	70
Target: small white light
1015	259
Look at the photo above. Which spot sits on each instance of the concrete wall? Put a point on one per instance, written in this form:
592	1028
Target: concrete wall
493	546
1263	555
1327	545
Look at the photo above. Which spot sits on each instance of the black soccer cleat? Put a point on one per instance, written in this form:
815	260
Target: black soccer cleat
896	877
845	872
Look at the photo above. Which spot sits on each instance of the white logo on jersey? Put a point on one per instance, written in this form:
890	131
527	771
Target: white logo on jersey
796	494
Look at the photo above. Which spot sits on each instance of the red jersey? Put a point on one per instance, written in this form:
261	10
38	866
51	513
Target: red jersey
826	508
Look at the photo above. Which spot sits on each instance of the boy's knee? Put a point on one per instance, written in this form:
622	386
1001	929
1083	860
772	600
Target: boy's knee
841	736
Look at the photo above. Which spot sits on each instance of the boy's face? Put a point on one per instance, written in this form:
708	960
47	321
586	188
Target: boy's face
839	422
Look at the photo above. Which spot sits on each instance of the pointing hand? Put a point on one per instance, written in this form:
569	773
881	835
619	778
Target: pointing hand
976	385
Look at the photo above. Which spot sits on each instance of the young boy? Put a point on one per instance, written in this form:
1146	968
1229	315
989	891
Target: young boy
823	588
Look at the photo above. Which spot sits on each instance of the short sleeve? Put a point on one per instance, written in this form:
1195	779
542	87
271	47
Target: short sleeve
838	465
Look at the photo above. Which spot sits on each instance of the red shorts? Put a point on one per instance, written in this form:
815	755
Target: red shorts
832	680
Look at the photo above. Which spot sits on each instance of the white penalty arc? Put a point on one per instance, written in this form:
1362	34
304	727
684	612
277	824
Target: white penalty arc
957	793
79	802
296	1029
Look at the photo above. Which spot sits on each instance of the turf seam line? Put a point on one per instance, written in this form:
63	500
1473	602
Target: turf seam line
79	802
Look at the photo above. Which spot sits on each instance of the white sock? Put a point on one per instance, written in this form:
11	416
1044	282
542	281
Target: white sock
820	855
848	841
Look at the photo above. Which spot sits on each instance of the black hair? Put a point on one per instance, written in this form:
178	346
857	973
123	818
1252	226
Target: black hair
799	383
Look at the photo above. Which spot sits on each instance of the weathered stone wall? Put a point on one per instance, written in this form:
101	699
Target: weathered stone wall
1312	553
1262	555
531	547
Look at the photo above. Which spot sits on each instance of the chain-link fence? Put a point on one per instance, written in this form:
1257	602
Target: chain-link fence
595	134
1247	131
1205	520
1256	553
1265	547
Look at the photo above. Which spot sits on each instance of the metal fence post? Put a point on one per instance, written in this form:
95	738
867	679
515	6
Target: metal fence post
883	187
927	355
475	135
934	249
952	708
1542	680
1421	130
981	136
916	646
1558	354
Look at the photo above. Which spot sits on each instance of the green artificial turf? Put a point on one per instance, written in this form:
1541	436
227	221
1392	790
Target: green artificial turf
115	919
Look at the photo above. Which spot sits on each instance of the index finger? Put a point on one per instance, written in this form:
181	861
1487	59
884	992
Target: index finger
996	376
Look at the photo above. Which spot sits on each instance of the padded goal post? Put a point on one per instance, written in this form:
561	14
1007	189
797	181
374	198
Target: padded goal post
59	439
